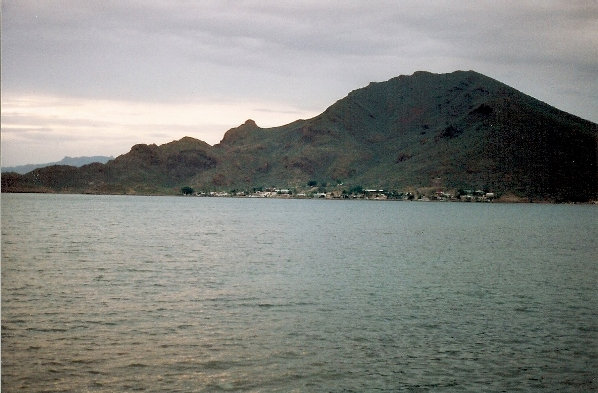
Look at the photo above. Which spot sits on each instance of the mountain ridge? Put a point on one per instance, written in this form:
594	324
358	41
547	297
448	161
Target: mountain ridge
449	131
72	161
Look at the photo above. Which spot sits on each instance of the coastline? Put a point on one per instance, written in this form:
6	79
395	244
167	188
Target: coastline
507	198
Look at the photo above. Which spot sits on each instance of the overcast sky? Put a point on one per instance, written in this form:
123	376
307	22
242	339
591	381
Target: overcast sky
84	77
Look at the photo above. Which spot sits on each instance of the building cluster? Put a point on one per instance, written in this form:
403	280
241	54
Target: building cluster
367	194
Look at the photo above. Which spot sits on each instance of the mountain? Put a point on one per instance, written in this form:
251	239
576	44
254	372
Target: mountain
461	130
73	161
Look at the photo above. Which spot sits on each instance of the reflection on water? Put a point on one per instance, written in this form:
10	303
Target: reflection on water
114	293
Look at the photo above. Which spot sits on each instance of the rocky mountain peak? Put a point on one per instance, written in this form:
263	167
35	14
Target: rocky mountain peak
237	134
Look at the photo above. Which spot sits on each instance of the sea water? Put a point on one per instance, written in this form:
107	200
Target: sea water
180	294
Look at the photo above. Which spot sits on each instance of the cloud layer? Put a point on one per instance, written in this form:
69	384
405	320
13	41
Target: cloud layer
287	57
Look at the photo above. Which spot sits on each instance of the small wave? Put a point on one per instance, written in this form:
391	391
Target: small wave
14	321
135	270
221	386
216	365
96	322
284	305
137	365
53	363
83	361
523	309
46	330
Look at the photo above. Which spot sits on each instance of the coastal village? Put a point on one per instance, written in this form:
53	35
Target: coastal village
357	193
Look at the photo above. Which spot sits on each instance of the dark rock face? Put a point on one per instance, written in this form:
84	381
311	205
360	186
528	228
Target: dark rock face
457	130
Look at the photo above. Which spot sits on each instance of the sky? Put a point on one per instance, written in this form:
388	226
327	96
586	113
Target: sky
85	78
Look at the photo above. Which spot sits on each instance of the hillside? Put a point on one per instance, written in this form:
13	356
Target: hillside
450	131
72	161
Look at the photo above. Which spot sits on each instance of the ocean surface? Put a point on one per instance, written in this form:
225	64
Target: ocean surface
182	294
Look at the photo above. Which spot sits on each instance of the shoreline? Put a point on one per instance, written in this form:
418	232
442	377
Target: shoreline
507	199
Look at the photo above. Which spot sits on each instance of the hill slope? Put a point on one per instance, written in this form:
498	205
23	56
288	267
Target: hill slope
72	161
457	130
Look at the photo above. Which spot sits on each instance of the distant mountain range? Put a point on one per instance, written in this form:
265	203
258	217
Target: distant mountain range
461	130
73	161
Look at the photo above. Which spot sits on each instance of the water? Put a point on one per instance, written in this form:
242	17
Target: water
173	294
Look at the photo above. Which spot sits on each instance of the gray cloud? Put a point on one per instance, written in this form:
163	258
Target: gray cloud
303	54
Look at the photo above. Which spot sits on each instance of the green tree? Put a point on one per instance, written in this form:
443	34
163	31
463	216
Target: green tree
356	190
187	190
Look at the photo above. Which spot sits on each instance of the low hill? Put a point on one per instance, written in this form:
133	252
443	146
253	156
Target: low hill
458	130
72	161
